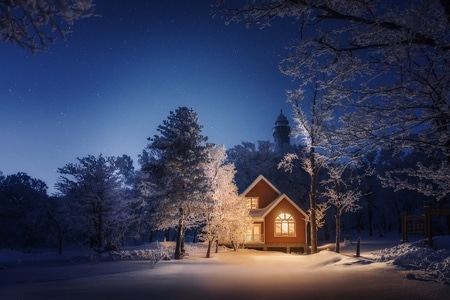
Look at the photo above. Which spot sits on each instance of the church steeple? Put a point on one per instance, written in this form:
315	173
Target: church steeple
281	132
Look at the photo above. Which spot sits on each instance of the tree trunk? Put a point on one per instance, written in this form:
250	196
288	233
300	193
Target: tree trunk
234	245
99	225
370	214
312	203
183	237
167	234
338	231
326	231
358	247
194	239
150	237
178	252
208	252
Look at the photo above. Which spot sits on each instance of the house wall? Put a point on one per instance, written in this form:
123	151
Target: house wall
300	225
264	192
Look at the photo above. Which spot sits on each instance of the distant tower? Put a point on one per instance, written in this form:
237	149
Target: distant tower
281	133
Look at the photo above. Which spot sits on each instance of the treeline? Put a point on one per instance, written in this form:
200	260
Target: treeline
183	184
380	202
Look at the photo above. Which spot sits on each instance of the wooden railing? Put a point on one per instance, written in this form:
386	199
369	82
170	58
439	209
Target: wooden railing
254	238
421	223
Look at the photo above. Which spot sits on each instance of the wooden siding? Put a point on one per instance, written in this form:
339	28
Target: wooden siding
264	192
285	207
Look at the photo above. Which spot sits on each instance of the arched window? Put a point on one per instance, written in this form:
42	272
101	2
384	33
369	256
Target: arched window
284	225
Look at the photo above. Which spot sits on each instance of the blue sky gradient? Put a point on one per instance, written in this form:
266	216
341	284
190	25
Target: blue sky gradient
107	87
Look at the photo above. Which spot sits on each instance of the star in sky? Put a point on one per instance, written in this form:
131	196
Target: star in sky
107	87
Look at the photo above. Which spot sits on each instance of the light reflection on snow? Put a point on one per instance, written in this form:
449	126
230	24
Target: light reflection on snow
229	274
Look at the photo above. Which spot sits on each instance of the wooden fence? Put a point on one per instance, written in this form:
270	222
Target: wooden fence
421	224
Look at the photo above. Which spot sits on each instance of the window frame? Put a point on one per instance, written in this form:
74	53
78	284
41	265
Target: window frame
284	225
252	201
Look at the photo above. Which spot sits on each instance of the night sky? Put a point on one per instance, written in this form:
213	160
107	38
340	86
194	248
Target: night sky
107	87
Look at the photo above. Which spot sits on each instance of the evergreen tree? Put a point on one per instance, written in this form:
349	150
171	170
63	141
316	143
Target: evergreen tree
176	167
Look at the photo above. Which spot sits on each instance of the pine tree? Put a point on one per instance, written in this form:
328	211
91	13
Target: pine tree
177	169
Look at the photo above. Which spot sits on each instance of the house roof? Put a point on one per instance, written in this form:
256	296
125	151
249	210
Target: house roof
255	182
262	212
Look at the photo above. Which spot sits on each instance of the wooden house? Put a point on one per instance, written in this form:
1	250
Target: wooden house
278	224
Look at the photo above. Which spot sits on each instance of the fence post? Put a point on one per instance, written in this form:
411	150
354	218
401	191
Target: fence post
358	247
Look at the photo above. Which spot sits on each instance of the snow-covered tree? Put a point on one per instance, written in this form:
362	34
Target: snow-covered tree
97	205
32	23
227	217
340	195
312	118
385	64
137	225
321	209
176	167
214	172
429	176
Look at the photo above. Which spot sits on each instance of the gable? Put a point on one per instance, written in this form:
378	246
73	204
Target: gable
262	189
285	204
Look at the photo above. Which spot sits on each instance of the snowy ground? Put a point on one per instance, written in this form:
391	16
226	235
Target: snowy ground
385	269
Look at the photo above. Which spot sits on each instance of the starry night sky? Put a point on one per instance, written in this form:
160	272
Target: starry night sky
107	87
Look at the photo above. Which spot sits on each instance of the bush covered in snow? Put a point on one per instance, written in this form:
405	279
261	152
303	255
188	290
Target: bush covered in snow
433	262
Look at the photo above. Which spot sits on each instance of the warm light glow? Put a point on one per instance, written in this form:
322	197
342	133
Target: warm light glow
284	225
252	202
254	234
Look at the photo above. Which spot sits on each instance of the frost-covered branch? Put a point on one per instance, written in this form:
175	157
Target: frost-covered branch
31	23
383	67
287	162
321	210
431	180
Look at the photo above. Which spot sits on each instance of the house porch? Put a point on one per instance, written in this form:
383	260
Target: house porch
298	248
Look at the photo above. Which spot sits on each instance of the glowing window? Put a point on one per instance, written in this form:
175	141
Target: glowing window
252	202
284	225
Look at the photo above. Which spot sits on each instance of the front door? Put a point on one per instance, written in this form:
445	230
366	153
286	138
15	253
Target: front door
254	234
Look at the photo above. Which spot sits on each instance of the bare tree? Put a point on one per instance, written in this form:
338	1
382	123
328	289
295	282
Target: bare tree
31	23
312	116
340	195
385	65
